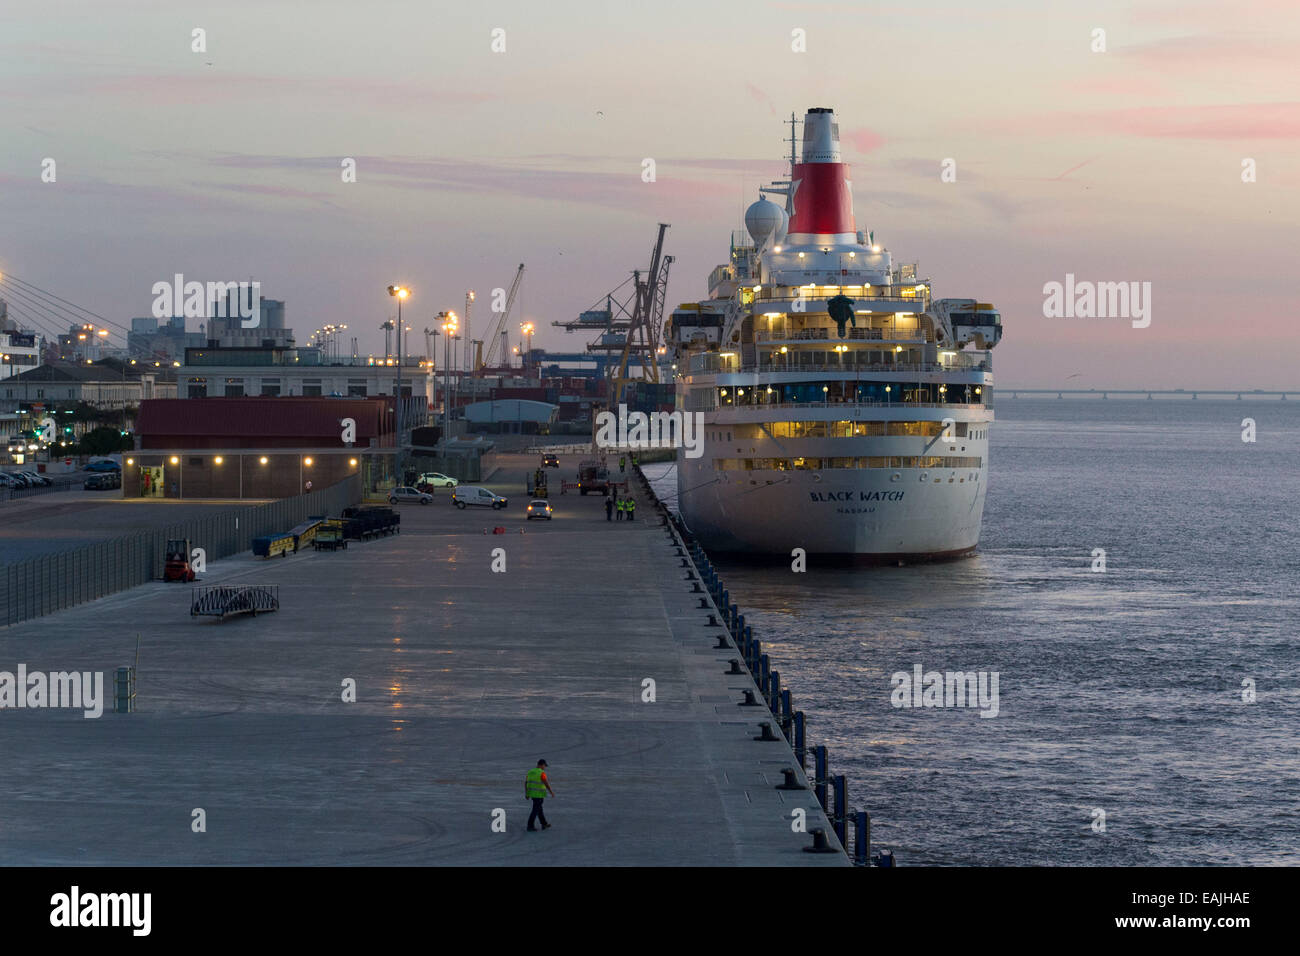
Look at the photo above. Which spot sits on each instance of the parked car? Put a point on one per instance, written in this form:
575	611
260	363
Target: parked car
20	480
104	465
539	508
36	478
8	481
102	481
406	493
550	461
436	480
463	497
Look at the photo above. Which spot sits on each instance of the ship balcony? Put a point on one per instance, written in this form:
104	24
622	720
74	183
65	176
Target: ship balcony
754	397
848	409
860	361
977	365
866	298
784	335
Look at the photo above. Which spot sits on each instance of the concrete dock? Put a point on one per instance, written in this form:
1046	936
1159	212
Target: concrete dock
464	678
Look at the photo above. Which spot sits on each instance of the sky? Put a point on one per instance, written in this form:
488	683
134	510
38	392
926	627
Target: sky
1115	165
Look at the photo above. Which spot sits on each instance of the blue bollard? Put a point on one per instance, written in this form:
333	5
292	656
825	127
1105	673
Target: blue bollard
764	678
774	693
839	815
800	750
819	775
862	839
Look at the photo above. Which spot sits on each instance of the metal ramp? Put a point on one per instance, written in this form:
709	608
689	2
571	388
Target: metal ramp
224	600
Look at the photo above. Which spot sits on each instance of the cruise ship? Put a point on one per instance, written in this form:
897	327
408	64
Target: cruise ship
845	411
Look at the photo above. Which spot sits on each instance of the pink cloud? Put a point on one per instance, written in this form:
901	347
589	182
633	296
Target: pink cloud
211	84
1200	50
1117	84
1245	121
1237	121
760	97
282	191
862	140
568	183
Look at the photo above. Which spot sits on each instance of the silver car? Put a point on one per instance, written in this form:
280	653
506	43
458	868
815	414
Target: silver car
399	495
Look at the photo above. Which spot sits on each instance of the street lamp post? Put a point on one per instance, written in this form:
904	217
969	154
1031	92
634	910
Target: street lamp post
527	328
400	293
449	328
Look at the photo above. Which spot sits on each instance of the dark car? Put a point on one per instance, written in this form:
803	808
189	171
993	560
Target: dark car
102	481
550	461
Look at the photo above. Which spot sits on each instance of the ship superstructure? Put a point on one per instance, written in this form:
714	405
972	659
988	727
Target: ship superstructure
845	412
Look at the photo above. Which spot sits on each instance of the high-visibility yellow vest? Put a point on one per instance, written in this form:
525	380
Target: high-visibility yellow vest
533	786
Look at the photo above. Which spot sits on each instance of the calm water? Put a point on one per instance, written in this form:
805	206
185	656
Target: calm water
1118	691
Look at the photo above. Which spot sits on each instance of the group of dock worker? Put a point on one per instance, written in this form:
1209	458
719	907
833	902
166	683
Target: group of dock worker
621	506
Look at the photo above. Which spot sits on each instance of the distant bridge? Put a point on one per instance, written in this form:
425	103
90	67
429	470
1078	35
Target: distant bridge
1150	393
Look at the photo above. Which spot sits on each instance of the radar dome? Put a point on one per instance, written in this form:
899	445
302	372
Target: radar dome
765	218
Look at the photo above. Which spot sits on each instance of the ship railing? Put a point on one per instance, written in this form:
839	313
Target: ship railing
827	291
849	369
822	335
848	404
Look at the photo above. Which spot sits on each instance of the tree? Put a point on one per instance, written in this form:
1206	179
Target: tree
105	441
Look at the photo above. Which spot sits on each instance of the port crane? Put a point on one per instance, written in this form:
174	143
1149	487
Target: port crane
646	326
629	330
493	337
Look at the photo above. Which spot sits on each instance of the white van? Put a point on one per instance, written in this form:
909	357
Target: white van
464	496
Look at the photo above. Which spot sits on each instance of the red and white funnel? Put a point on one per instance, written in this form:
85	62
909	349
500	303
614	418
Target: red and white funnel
821	192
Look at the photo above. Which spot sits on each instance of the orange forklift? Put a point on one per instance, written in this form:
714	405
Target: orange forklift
178	567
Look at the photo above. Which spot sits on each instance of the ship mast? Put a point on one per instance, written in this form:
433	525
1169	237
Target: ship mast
789	192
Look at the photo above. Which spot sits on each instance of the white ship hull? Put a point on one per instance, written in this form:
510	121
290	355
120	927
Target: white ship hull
840	408
849	512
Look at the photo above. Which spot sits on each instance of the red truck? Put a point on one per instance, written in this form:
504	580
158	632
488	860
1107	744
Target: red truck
593	476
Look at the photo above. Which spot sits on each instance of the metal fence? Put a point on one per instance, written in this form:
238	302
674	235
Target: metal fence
8	493
52	582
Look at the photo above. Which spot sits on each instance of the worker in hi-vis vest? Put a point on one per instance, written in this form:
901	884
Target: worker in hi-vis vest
536	787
